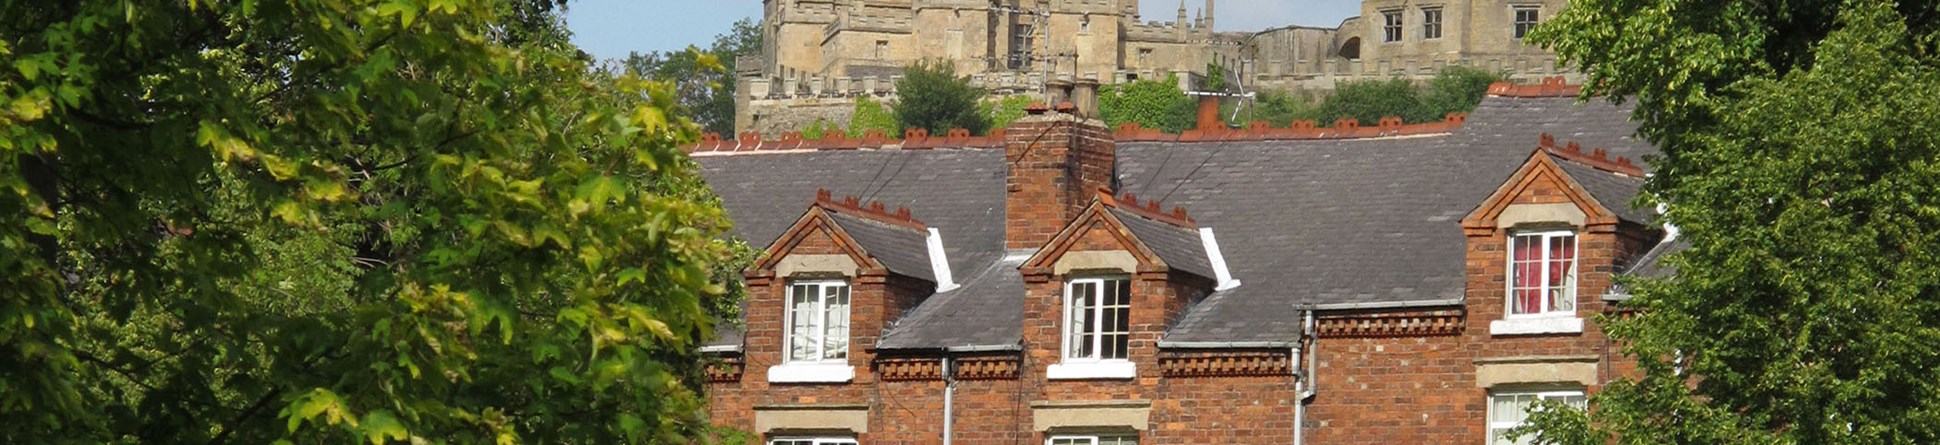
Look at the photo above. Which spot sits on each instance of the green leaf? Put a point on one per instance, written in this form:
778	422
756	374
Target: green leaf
379	424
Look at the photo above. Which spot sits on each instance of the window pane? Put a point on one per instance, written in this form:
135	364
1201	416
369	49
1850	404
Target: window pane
1119	440
1079	328
1562	273
835	343
1508	408
801	335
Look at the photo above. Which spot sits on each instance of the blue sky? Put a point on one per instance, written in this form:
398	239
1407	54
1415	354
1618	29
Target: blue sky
611	28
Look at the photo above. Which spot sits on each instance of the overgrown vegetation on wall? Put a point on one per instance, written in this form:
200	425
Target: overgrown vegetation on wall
872	115
1454	90
1150	103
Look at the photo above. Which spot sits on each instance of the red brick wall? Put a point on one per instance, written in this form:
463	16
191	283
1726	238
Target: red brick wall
1043	191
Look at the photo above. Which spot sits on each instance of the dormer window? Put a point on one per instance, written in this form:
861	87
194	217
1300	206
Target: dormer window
818	322
1542	274
1097	319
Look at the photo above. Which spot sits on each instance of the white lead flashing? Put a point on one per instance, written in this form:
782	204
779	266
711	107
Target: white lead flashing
1218	261
811	373
721	348
939	264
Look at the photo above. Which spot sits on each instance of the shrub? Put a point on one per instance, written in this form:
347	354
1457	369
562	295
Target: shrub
935	98
1456	89
871	115
1151	104
1004	111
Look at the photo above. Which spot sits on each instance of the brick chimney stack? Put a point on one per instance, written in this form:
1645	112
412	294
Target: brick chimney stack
1209	113
1057	163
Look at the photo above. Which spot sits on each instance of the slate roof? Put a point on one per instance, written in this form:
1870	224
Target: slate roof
1616	192
1177	246
1332	223
904	250
987	311
1651	265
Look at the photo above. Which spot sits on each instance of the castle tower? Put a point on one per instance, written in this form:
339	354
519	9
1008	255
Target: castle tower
1209	18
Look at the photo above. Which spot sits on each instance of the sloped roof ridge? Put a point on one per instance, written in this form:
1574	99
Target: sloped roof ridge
1152	209
1597	158
876	211
1553	86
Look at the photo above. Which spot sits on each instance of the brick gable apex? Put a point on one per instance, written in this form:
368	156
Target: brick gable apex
1539	172
815	230
1095	224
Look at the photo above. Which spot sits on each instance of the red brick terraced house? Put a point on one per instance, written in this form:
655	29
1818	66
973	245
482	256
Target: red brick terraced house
1063	283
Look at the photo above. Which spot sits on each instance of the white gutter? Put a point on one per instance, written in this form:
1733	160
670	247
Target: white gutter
939	264
983	348
1389	304
721	348
1227	344
1218	261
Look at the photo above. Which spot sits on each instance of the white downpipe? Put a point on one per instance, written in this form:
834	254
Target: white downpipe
1223	275
949	399
1308	386
1299	384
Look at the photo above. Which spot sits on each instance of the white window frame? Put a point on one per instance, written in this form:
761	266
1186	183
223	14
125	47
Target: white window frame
1088	439
1392	26
1488	437
812	441
820	334
1436	24
1571	285
1097	333
1072	367
1516	29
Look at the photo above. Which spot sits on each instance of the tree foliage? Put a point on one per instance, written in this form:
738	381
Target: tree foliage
1456	89
1151	104
1003	111
343	221
1370	100
701	89
1800	143
932	96
871	115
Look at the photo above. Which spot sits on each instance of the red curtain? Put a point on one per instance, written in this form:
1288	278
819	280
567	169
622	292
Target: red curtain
1527	265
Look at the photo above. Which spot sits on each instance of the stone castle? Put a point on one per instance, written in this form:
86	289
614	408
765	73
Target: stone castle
823	54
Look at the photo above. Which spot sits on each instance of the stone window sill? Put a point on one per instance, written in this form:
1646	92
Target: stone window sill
811	373
1537	326
1115	369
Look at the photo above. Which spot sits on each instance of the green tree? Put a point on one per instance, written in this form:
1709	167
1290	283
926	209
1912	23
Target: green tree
1003	111
1799	143
931	96
705	94
1370	100
871	115
1456	89
1151	104
341	220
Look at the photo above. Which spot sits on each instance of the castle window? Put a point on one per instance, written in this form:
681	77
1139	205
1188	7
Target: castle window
1526	19
1391	31
1084	24
818	322
1091	440
1542	274
1097	319
882	49
1144	57
1509	409
1431	23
